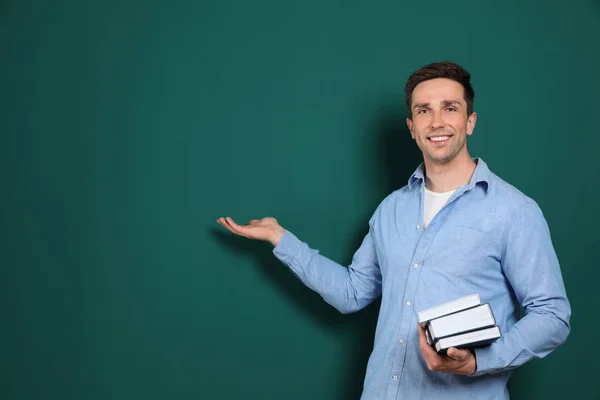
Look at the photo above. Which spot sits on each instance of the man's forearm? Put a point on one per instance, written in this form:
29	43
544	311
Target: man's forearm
534	336
340	286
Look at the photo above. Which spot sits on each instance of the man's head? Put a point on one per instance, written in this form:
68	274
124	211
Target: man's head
440	98
443	69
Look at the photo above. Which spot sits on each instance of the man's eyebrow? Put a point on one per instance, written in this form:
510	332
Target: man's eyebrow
419	105
445	103
451	102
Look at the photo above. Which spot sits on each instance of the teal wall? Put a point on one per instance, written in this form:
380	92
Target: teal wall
128	127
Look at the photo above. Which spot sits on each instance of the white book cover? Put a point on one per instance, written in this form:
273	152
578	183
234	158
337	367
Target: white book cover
470	339
462	321
448	308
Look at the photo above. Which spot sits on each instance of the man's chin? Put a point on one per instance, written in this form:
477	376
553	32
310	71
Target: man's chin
442	155
440	158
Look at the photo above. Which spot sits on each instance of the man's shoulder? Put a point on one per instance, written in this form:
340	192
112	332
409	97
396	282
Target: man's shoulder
507	191
508	195
399	195
393	200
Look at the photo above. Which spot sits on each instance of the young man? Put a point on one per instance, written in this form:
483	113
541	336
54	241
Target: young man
455	229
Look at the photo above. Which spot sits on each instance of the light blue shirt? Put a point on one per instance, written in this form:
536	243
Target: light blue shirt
489	238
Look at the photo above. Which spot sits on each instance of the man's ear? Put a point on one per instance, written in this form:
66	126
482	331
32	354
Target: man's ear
471	123
409	123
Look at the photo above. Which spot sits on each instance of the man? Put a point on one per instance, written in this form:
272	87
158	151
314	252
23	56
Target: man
455	229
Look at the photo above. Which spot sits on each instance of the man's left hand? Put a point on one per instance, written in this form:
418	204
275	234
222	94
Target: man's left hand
457	361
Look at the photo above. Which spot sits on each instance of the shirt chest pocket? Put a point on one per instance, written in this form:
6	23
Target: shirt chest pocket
466	249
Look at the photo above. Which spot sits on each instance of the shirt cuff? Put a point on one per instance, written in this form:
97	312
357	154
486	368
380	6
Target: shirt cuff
487	360
287	247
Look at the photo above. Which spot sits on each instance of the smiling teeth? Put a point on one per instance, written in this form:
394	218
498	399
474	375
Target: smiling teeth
439	138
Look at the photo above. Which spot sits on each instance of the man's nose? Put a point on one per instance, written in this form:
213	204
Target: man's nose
437	121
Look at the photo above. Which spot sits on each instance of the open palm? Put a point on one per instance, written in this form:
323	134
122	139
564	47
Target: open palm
261	229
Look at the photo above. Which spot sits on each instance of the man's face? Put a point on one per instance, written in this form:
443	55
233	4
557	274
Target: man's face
439	123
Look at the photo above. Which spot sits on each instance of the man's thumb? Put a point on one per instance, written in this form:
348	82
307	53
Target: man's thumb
457	354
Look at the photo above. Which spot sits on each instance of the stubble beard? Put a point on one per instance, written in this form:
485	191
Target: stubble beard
449	153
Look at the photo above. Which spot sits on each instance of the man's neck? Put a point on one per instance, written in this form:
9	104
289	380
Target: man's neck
446	177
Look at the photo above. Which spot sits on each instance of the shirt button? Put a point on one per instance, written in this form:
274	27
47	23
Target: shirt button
416	265
408	303
401	341
418	226
395	377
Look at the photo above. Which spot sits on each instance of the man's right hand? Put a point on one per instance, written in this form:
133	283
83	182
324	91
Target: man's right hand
261	229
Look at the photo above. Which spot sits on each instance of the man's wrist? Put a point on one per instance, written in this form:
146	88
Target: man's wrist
474	360
277	236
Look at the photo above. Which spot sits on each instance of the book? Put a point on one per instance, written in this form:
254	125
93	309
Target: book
450	307
473	339
428	337
461	322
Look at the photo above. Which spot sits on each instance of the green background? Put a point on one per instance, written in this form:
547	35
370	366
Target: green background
129	127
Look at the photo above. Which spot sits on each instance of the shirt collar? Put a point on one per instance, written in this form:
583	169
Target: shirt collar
481	174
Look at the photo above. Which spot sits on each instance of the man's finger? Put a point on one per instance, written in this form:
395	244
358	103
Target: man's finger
421	332
223	222
433	359
235	228
458	354
233	224
423	338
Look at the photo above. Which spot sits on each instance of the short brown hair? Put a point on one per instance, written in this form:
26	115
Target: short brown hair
442	69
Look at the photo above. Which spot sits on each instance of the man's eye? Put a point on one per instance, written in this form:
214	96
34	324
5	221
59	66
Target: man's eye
422	111
451	109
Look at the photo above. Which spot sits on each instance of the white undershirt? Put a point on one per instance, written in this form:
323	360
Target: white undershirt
434	203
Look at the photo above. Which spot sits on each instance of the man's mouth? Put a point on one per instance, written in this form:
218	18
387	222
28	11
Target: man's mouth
439	139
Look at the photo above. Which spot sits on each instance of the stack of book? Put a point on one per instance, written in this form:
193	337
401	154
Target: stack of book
461	323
